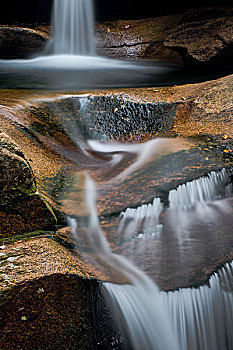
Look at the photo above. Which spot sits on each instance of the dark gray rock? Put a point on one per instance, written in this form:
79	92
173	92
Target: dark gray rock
17	42
137	39
207	42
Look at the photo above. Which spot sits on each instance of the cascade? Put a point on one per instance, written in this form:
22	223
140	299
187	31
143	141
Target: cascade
202	317
144	219
186	319
151	329
200	191
73	27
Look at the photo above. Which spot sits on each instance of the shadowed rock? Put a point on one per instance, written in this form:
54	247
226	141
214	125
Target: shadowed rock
17	42
21	207
137	39
45	305
204	38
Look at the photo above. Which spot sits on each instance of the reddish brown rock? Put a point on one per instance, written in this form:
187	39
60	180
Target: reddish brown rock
21	207
48	300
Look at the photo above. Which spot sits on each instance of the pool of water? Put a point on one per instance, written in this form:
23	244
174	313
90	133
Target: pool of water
67	72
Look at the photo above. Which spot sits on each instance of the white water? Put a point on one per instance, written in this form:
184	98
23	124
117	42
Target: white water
198	201
73	27
202	318
188	319
151	329
72	44
145	152
144	219
198	196
200	191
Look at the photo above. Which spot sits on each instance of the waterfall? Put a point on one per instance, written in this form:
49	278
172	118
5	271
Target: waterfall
151	328
202	318
186	319
144	219
194	195
73	27
199	191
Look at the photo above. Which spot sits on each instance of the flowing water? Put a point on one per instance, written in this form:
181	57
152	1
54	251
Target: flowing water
187	319
201	318
73	28
150	329
171	237
176	234
69	59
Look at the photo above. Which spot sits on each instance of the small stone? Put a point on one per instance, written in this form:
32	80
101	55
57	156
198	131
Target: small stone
5	277
13	266
12	258
40	290
24	318
2	247
2	254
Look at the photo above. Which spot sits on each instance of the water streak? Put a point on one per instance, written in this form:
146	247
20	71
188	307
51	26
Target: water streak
73	27
150	329
187	319
202	317
200	191
144	219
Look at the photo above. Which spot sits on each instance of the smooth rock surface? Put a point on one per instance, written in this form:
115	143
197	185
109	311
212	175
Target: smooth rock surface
137	39
19	42
21	207
203	38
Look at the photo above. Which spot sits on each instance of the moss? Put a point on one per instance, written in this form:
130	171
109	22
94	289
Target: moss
23	237
47	221
16	194
4	296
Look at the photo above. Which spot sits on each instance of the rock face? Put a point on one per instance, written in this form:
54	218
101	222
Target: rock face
21	207
204	38
55	312
18	42
137	38
49	301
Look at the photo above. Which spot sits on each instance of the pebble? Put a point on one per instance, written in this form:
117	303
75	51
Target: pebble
12	258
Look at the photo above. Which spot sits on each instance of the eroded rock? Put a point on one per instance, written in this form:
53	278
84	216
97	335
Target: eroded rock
44	304
21	207
204	38
18	42
137	39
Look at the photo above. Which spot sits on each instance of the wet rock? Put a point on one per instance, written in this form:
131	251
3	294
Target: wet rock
49	319
137	39
16	172
21	207
204	38
18	42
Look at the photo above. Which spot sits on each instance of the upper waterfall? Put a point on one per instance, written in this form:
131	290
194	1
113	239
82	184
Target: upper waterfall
73	27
